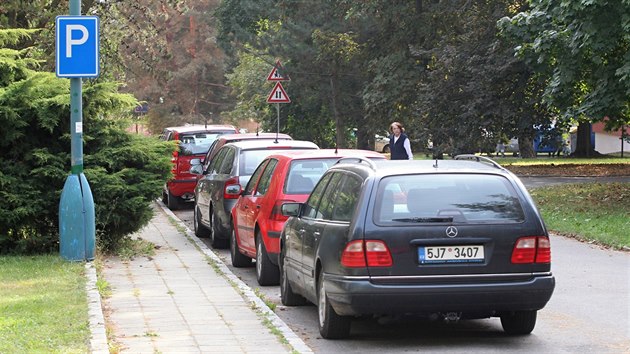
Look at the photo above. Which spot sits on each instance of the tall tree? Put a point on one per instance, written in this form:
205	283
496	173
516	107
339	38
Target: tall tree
585	47
318	50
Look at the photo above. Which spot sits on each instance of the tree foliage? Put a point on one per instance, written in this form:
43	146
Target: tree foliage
584	48
437	66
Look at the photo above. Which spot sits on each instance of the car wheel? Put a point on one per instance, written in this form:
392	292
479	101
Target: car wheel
519	322
386	149
288	297
266	272
238	259
215	241
331	325
200	230
172	201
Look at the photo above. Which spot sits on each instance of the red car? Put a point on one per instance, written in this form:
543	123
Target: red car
194	142
280	178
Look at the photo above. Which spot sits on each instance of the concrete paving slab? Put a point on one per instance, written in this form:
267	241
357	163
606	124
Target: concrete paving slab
175	301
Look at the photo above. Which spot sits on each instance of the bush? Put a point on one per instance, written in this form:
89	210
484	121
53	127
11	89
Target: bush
125	171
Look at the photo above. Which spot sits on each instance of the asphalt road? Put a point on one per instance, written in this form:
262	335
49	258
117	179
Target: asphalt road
589	311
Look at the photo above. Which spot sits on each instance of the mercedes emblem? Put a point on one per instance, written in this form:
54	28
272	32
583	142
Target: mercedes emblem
451	231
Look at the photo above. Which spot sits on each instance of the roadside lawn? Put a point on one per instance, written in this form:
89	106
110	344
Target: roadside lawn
43	305
593	212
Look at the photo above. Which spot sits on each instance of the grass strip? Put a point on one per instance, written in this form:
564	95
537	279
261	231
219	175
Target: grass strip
43	305
593	212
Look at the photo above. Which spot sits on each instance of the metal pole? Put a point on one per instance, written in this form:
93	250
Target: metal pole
76	126
77	226
278	120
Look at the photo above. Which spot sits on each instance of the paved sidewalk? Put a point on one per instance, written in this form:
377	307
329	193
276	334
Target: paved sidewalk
177	302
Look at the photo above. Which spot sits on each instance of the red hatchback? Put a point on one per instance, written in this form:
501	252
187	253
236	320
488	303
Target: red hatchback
194	142
280	178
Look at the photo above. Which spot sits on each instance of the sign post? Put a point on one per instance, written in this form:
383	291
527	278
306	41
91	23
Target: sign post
278	94
77	56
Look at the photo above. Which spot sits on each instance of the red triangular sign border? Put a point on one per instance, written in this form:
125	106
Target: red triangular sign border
271	77
272	99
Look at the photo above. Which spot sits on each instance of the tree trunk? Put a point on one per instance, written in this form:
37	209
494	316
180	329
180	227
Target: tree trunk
526	146
340	141
363	139
583	146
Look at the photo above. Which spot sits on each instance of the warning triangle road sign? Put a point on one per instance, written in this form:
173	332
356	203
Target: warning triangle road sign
278	95
278	74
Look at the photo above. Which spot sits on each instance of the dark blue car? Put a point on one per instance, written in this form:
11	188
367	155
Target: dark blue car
442	239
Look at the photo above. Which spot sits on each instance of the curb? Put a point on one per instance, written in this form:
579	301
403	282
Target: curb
98	337
293	339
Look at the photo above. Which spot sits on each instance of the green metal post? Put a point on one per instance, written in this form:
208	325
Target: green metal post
77	226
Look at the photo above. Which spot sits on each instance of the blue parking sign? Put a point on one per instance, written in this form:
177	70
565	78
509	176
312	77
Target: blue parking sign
77	46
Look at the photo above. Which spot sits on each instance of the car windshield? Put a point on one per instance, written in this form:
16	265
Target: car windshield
447	198
197	143
303	174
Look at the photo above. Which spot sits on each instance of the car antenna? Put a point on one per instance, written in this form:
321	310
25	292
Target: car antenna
257	130
436	163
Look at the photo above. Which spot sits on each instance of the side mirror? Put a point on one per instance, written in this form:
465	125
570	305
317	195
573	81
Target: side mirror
291	209
196	169
233	190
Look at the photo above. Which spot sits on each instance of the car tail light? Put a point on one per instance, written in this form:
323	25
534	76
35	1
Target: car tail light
371	253
276	212
353	255
175	155
543	251
174	161
532	249
378	254
232	189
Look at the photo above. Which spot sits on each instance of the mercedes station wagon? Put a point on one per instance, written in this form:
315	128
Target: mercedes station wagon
455	239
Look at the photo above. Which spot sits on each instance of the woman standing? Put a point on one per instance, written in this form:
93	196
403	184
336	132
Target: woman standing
399	144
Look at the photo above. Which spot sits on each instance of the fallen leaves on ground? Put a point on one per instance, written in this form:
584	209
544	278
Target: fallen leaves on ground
571	170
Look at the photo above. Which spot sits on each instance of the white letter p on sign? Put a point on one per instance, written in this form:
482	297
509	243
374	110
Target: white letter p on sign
70	42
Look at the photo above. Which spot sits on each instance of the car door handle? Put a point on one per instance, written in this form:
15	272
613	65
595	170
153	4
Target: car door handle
257	206
302	231
245	207
316	233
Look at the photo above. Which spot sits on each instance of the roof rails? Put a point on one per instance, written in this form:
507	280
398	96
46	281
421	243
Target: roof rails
482	159
357	159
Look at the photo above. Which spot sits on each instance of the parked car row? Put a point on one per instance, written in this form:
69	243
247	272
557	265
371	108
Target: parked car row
257	220
359	235
222	181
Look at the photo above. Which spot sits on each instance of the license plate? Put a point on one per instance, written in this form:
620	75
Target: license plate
451	254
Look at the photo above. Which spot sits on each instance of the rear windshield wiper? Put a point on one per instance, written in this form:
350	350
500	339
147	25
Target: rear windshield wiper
432	219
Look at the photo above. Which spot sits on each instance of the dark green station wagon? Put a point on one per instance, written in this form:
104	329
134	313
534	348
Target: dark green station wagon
454	239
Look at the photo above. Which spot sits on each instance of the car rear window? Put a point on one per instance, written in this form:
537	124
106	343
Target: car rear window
463	198
198	143
304	174
250	159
